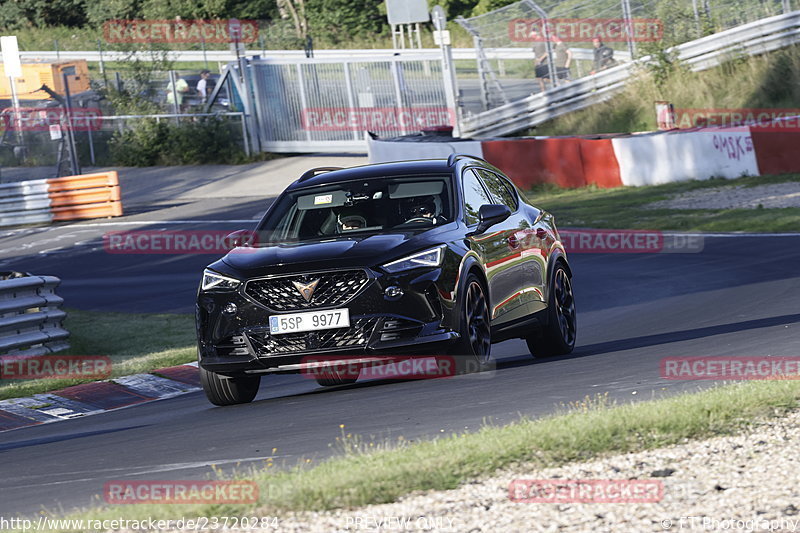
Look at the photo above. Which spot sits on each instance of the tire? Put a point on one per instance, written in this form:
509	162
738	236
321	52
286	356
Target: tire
472	351
558	337
331	379
229	391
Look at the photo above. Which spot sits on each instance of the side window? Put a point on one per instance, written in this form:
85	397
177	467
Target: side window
499	189
474	197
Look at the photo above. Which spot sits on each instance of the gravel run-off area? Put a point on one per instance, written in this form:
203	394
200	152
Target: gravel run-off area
772	196
747	482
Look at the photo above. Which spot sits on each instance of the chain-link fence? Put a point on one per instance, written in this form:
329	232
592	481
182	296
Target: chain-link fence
323	103
50	139
512	54
125	120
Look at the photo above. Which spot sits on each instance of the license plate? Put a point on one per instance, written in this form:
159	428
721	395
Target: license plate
310	321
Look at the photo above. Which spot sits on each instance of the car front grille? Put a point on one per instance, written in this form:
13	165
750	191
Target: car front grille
357	335
332	289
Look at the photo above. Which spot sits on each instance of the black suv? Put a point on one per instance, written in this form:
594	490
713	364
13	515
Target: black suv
396	259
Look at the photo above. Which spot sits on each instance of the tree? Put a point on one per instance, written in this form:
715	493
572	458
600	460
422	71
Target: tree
296	9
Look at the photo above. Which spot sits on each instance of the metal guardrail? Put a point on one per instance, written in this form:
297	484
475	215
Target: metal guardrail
26	202
749	39
31	321
58	199
226	56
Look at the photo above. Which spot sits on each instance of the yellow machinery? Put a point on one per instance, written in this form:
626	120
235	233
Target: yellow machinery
50	73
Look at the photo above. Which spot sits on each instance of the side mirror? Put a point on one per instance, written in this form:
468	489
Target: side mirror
491	214
241	238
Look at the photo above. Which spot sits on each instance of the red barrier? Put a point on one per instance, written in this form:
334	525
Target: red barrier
776	151
566	162
600	165
533	161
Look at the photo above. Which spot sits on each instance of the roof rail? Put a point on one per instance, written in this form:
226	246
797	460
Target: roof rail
451	159
308	174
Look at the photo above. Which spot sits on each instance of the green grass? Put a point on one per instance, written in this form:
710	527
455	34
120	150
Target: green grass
586	430
135	343
769	81
623	207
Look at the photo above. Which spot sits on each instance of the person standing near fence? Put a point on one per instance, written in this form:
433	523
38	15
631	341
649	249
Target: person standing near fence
181	88
202	86
539	57
603	56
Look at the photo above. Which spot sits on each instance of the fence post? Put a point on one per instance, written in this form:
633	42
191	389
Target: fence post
73	152
303	100
249	109
173	84
348	84
448	70
102	63
626	15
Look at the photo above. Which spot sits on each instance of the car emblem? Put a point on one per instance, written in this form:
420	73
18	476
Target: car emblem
306	290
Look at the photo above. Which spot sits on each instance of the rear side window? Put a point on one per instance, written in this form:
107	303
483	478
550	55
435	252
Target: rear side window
500	189
474	197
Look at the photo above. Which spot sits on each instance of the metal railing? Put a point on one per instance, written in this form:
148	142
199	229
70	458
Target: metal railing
750	39
31	321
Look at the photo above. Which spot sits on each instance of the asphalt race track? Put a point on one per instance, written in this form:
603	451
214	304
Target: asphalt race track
737	297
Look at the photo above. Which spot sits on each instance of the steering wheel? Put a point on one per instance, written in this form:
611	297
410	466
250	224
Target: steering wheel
419	219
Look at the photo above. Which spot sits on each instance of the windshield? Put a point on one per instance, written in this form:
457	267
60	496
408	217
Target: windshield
363	206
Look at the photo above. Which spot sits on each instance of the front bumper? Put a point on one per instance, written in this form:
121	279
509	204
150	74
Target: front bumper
417	323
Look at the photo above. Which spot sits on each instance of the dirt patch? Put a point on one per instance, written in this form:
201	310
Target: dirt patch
773	196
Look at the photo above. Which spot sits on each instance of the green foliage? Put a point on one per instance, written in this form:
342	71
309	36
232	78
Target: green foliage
99	12
147	142
41	13
338	21
484	6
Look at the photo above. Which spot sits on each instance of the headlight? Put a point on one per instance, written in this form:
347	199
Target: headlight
212	280
428	258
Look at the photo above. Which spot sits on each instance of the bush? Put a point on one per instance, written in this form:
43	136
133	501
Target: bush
202	141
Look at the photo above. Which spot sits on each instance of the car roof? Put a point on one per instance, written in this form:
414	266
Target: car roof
401	168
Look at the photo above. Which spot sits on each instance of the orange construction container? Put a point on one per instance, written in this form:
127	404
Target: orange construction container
50	73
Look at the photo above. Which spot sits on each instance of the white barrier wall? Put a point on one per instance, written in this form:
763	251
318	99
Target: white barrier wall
388	151
651	159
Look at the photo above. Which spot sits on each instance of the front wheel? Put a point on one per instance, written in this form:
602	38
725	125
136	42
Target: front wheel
472	352
558	337
222	390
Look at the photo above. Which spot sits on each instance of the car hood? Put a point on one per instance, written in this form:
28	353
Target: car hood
355	251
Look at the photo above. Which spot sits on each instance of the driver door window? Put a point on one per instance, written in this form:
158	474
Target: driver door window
474	197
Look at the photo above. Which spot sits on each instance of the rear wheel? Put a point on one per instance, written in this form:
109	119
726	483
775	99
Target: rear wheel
472	352
222	390
558	337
